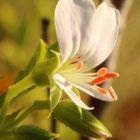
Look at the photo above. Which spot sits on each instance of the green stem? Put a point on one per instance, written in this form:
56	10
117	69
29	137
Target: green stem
15	89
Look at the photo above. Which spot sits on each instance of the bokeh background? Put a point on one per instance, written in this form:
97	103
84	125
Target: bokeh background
22	25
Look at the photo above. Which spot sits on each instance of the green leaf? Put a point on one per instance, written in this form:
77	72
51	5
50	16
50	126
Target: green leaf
28	132
39	56
55	97
10	118
89	125
24	81
25	92
37	105
16	89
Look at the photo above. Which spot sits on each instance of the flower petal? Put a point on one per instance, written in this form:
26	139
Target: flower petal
91	90
108	19
67	87
74	21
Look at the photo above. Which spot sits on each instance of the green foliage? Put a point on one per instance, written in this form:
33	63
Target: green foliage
37	105
39	56
89	125
27	132
36	73
10	118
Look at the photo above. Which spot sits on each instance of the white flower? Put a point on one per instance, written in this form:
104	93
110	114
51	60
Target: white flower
86	37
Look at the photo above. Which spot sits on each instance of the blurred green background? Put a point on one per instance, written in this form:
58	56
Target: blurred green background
20	31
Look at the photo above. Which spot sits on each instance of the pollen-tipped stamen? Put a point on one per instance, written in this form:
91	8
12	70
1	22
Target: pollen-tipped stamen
80	65
101	90
98	80
102	71
113	93
112	75
103	75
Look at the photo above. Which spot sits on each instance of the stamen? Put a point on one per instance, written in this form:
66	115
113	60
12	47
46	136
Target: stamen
113	93
101	90
113	75
79	65
74	62
98	80
102	71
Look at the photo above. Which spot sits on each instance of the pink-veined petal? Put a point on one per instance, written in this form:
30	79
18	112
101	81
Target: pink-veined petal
67	88
75	23
108	20
91	90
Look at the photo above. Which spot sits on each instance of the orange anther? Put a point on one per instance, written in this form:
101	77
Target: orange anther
101	90
112	75
98	80
102	71
113	93
79	65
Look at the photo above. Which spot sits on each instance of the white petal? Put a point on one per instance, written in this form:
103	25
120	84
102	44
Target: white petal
74	20
90	90
67	87
108	19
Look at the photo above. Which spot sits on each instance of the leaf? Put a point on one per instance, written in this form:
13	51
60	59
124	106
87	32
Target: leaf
10	118
89	125
28	132
37	105
55	97
25	92
39	56
24	80
16	89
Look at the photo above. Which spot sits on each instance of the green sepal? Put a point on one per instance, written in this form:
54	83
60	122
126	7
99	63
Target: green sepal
76	91
44	70
66	111
54	47
55	96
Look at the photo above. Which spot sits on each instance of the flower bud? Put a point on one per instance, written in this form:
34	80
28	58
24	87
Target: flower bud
67	112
